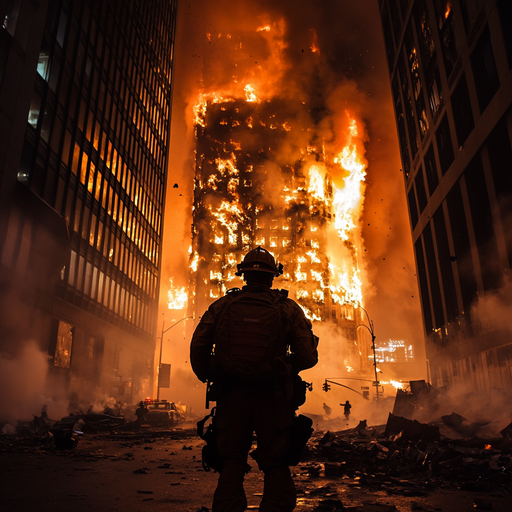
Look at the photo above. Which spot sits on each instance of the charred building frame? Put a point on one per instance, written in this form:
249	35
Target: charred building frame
85	105
450	68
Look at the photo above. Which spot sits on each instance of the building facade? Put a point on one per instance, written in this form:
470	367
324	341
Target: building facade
85	106
450	68
246	195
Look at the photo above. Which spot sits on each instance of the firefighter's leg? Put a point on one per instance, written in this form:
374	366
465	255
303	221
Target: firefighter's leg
273	434
230	495
279	490
233	443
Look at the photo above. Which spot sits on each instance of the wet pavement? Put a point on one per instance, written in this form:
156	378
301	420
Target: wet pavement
161	470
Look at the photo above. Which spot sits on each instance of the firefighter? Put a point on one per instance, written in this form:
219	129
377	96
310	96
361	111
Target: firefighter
346	409
141	415
261	340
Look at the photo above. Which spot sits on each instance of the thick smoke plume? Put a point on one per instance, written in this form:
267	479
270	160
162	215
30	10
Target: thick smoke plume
22	385
330	56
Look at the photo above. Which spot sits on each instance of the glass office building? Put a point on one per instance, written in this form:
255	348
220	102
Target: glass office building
85	102
450	67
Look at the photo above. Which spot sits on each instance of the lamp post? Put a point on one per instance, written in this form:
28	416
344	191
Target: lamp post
161	345
372	332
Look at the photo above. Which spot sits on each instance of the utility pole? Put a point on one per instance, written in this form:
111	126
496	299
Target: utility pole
161	345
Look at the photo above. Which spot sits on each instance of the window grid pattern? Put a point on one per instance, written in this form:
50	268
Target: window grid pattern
99	126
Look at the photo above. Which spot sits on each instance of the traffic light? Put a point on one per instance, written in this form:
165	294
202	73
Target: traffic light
326	386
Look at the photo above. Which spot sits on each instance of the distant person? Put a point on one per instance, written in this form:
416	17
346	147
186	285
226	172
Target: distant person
327	410
141	414
346	409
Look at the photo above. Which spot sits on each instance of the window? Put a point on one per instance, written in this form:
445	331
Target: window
445	266
43	63
64	346
435	289
434	89
484	70
422	275
11	16
431	170
500	156
420	190
470	10
483	225
413	209
462	246
35	109
462	114
444	145
424	31
446	25
505	14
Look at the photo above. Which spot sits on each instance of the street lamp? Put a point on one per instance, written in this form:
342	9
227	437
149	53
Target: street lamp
161	344
372	332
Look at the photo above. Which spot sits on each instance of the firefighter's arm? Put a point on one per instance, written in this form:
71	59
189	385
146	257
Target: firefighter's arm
303	344
201	346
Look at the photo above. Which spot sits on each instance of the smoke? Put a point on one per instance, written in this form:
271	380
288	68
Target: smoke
22	381
329	56
493	309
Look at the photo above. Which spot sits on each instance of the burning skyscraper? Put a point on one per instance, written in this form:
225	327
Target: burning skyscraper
263	177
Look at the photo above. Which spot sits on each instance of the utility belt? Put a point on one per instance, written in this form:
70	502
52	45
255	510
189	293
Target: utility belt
287	388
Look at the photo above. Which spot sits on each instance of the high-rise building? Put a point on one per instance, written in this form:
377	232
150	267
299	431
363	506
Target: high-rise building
252	188
85	106
450	67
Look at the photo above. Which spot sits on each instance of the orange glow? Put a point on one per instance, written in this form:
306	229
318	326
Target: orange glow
177	296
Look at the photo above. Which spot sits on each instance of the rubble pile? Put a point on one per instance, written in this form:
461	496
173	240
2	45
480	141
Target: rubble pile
408	458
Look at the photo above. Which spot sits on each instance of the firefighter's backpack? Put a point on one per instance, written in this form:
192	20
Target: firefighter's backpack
249	335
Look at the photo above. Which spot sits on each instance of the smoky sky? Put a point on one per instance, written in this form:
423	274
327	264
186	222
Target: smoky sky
332	57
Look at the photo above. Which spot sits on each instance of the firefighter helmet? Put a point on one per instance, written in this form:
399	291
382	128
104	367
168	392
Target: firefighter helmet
259	260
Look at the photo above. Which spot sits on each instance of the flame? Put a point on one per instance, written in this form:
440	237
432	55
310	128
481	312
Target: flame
316	183
314	42
250	95
348	191
177	296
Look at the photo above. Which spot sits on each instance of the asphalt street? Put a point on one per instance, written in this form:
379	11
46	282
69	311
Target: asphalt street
162	471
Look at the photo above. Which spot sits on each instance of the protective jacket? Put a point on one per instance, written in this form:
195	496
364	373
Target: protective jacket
296	332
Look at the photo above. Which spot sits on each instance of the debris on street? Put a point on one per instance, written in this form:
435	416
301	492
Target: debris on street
407	457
